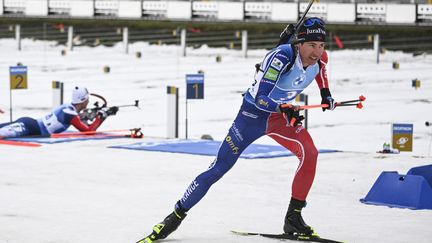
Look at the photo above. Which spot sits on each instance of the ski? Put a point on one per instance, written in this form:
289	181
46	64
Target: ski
19	143
153	236
145	240
307	238
149	239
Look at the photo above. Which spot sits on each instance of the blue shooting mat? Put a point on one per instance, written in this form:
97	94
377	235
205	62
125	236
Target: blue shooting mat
50	140
210	148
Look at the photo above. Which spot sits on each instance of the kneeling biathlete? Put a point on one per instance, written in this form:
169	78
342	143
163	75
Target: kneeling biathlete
284	73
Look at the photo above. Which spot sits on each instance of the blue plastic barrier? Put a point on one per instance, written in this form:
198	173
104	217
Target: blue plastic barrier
413	190
425	171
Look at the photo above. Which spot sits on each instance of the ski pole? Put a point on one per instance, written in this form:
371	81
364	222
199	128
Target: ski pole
360	99
359	105
306	107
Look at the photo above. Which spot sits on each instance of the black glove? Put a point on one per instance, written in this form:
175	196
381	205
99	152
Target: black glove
292	115
286	34
326	98
102	114
112	111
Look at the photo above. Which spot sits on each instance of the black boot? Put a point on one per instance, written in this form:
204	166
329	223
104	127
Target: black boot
294	223
167	226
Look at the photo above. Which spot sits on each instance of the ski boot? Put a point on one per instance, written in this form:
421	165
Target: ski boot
167	226
294	223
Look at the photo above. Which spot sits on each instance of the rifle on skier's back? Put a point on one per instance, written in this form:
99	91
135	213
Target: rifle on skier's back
289	34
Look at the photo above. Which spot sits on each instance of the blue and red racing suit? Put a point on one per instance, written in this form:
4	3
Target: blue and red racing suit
258	116
57	121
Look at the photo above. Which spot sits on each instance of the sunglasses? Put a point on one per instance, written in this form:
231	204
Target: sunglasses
311	21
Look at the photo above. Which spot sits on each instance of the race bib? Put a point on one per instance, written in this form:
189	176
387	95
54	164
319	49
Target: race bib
51	123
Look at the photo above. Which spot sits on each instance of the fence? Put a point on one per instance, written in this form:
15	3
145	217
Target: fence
195	37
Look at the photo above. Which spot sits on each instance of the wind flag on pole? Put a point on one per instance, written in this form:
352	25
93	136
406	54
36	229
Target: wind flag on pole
338	41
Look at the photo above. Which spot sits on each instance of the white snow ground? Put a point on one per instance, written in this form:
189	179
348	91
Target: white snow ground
85	192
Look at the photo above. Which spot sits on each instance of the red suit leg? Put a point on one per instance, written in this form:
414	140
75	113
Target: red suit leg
299	142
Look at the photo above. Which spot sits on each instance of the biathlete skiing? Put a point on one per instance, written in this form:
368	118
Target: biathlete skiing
282	75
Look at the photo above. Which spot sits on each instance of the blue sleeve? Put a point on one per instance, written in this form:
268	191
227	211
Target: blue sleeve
68	118
274	65
65	114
